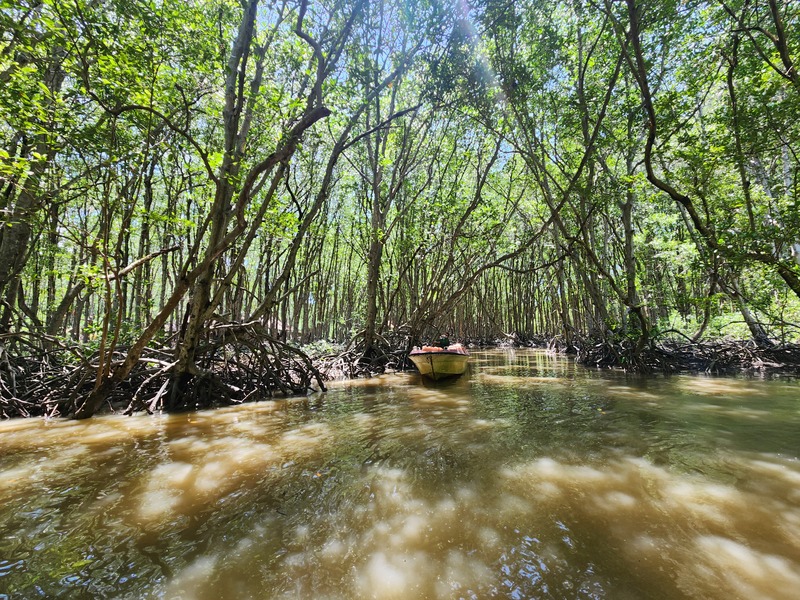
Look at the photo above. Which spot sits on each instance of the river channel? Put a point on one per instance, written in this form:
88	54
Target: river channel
528	477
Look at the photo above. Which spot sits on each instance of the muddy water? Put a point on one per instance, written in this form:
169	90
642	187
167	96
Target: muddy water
527	478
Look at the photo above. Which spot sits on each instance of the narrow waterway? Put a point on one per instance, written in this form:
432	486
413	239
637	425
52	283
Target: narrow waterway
529	477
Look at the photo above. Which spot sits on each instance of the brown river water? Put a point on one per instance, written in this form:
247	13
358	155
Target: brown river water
529	477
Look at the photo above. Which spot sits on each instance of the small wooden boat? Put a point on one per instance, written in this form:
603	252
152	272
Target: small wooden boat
437	363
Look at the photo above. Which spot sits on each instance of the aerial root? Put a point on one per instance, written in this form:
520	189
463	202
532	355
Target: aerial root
235	364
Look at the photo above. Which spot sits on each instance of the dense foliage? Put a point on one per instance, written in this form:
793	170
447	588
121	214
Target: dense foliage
206	177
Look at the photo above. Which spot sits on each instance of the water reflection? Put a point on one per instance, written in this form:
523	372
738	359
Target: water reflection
529	478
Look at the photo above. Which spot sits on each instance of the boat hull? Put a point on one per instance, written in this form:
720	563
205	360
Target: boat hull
438	365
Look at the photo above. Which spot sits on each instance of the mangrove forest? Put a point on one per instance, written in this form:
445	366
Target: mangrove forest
205	202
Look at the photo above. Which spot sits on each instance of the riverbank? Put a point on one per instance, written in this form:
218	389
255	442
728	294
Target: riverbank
53	384
722	357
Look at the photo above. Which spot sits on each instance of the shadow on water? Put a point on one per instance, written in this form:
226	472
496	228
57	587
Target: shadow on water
529	477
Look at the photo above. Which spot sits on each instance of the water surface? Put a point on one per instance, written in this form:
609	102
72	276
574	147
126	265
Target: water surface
529	477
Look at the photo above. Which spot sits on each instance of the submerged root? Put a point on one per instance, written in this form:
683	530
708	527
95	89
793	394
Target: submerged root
672	356
361	358
235	365
240	362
